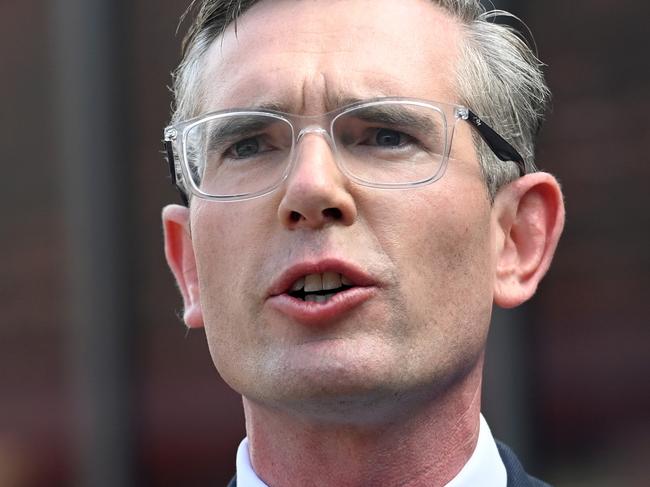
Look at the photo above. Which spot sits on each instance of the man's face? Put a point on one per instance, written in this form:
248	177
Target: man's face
422	259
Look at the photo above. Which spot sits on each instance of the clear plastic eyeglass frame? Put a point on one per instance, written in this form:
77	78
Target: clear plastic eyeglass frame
178	150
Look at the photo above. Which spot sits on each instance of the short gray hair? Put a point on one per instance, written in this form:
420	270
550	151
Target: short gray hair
499	76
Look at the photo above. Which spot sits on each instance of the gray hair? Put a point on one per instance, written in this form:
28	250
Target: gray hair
499	77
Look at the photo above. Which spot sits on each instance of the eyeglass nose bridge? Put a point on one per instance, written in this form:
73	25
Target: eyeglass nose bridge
313	129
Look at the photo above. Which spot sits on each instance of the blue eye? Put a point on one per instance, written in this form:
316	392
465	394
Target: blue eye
247	147
388	138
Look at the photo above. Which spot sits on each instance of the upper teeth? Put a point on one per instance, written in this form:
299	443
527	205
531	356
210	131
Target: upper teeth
320	282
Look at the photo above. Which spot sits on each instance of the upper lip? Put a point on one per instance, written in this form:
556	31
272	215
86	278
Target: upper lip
355	274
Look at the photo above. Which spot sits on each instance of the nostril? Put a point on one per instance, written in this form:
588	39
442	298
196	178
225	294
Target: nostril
332	213
294	216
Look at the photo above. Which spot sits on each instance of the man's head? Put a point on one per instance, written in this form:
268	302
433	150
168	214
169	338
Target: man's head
421	267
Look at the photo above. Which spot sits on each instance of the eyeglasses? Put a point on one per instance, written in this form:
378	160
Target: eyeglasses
384	143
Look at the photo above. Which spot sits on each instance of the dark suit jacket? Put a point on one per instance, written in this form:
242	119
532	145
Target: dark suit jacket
517	477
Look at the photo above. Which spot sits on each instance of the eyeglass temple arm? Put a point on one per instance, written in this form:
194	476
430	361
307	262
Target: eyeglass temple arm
497	144
172	170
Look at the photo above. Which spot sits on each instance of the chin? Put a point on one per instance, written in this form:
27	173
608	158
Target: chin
340	406
331	396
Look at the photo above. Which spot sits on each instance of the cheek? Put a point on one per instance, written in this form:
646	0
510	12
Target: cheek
441	248
437	232
228	240
220	233
215	248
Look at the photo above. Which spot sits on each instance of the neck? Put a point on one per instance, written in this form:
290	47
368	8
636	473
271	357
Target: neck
427	446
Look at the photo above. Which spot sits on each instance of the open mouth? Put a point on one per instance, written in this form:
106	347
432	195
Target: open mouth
319	288
317	293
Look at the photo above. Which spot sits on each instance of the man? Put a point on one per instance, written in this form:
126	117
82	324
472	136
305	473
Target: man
351	220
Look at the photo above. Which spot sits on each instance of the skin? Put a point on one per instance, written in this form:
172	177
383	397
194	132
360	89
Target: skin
352	401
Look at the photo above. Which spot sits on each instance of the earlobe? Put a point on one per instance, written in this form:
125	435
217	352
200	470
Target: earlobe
180	258
529	217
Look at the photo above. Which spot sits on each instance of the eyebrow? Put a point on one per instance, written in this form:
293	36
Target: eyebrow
398	116
331	105
226	129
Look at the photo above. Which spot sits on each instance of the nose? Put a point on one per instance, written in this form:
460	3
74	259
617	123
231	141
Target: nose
316	192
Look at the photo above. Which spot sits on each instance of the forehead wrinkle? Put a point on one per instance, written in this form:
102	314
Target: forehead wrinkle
317	100
314	90
231	80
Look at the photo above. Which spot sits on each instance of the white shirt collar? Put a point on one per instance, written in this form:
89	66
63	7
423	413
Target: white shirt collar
246	476
483	468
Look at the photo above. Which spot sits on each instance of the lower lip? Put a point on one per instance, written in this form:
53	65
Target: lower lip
314	313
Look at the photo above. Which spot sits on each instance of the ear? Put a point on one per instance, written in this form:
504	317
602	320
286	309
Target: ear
181	260
529	217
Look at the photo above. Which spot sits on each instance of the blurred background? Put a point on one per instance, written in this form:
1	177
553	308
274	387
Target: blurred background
100	383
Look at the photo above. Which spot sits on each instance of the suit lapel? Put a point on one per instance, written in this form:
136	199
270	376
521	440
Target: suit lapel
517	476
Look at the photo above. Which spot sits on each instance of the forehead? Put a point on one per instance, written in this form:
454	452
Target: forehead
308	55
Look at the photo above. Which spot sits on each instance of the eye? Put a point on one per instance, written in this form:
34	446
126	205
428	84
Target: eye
389	138
246	148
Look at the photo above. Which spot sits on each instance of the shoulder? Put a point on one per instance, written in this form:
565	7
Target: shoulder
517	476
